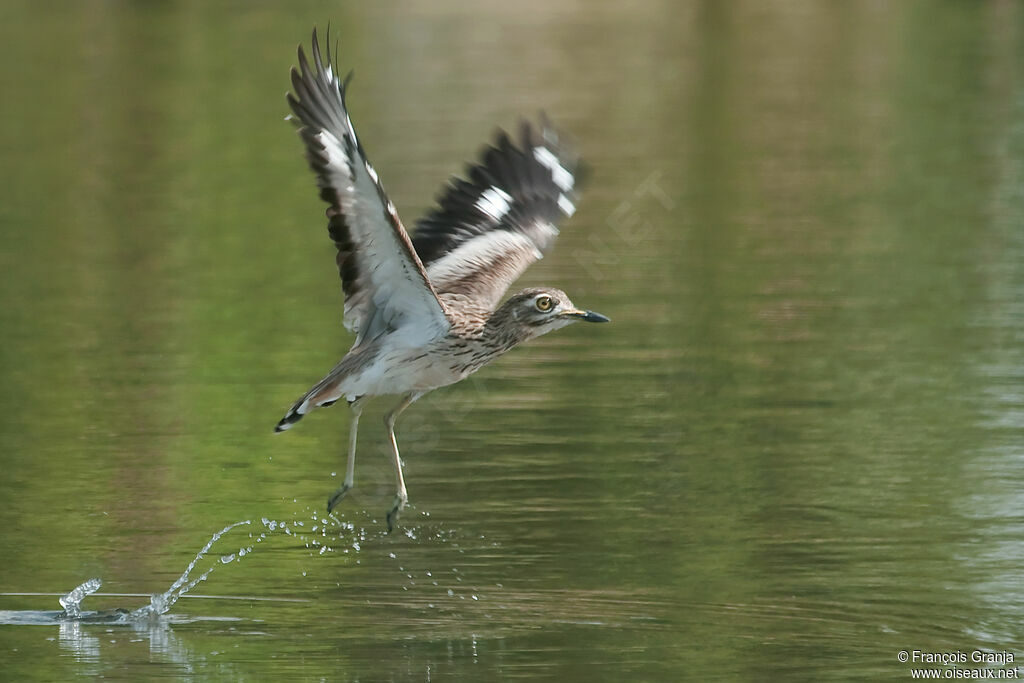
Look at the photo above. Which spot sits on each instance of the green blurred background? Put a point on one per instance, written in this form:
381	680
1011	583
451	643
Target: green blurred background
795	452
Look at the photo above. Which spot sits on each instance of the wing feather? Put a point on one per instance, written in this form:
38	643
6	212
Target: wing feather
490	226
385	284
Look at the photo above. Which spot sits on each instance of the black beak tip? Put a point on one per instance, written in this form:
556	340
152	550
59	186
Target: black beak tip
592	317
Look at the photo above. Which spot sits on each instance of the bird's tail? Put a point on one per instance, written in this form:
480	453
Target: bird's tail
325	393
293	415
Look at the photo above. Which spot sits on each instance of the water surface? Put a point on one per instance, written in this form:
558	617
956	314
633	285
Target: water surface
795	452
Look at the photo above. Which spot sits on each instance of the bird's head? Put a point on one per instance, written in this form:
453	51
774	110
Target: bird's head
540	310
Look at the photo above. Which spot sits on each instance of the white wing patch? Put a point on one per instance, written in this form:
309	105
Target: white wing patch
567	207
495	202
559	174
336	156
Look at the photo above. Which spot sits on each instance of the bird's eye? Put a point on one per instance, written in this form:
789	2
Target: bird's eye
543	303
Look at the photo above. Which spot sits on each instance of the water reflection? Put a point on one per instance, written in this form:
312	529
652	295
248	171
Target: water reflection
84	646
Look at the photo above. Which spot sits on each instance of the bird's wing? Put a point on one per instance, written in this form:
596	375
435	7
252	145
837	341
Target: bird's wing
384	281
491	225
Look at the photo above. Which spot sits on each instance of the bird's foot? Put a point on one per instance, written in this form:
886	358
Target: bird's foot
395	511
336	497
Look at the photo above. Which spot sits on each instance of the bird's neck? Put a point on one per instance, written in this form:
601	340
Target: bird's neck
504	330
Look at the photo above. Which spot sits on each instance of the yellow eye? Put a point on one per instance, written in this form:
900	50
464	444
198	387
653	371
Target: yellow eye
543	304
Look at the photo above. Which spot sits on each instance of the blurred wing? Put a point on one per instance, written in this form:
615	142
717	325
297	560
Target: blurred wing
489	227
385	284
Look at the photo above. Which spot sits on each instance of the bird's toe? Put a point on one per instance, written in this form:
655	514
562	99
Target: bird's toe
336	497
395	511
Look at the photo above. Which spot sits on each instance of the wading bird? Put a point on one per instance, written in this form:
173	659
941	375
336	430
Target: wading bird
425	310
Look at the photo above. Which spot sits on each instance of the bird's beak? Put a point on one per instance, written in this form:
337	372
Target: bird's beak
588	316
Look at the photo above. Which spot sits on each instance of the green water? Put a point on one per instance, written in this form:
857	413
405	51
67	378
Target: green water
797	450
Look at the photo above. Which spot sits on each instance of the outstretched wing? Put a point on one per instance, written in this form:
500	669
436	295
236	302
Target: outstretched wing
385	284
489	227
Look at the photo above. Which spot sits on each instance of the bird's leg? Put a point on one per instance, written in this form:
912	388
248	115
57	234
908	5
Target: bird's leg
350	470
401	496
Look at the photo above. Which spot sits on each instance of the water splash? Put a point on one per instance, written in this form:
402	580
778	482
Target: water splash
72	601
319	535
315	535
161	603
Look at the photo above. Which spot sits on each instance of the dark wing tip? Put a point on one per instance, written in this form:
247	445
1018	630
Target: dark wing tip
315	42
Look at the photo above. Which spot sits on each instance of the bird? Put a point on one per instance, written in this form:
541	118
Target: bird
426	310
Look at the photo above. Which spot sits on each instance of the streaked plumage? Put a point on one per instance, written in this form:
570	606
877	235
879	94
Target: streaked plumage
425	310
